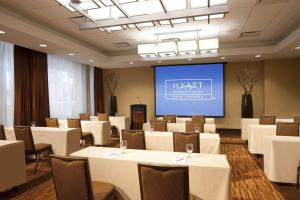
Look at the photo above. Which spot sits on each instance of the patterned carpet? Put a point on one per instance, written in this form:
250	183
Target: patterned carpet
248	180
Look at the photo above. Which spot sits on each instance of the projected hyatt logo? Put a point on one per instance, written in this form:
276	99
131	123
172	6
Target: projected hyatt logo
188	89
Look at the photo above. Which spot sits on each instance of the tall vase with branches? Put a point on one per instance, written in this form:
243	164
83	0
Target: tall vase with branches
111	83
247	78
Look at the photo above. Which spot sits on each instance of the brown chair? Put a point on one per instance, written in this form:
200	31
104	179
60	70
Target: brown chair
2	133
52	122
181	139
287	129
85	136
84	116
24	134
135	139
193	126
72	180
158	125
103	117
163	182
169	118
198	118
297	119
267	120
298	175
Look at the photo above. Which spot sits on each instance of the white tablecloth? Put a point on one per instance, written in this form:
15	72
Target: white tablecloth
184	119
246	122
120	122
281	158
100	130
12	167
181	127
163	141
209	174
63	140
256	136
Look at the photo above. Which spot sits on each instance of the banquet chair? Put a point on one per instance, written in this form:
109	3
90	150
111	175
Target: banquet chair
267	120
84	116
52	122
193	126
169	118
24	134
287	129
297	119
87	137
298	175
198	118
163	182
72	180
102	116
2	132
180	140
135	139
158	125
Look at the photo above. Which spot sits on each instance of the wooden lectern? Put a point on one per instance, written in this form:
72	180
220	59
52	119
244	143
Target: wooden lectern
138	113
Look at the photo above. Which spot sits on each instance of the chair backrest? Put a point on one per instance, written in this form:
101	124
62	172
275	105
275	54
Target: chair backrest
267	120
169	118
84	116
103	117
297	119
74	123
287	129
24	134
2	132
135	139
158	125
72	178
181	139
198	118
51	122
192	126
163	182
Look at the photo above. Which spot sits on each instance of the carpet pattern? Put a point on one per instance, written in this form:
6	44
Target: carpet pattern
248	180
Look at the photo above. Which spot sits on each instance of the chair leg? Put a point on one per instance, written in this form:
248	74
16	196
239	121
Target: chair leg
37	162
298	176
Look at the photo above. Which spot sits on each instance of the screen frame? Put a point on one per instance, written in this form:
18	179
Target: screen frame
186	116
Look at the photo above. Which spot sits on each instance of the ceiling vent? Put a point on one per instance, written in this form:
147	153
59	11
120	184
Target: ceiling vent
250	34
121	44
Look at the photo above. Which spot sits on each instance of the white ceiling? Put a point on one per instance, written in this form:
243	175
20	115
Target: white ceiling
31	22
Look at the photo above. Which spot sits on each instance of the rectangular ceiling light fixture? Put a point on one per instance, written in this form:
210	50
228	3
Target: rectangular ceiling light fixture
115	28
209	44
146	24
172	5
147	50
142	8
217	2
201	18
164	22
187	47
217	16
100	13
179	21
107	2
127	1
87	5
131	26
166	49
199	3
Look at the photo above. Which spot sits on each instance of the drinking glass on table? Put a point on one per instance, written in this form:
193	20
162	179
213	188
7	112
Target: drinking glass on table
197	129
151	128
123	145
189	149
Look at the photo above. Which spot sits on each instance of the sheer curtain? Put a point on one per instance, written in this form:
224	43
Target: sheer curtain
6	83
67	83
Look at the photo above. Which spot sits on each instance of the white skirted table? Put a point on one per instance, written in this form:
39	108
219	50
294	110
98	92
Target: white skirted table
12	167
100	130
120	122
163	141
184	119
281	158
63	140
181	127
209	174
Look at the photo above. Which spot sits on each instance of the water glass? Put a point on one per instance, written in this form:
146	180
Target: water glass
197	129
123	145
189	149
151	128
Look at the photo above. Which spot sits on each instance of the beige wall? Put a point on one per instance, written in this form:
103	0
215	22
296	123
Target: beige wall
276	92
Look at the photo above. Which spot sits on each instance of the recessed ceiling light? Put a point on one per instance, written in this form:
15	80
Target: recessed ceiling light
159	61
2	32
131	63
297	48
258	56
43	45
222	58
189	59
91	60
71	54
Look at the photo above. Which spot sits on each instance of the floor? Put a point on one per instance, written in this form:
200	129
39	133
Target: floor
248	179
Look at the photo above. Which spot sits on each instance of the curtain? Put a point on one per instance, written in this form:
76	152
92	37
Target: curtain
91	86
67	84
6	84
31	87
98	90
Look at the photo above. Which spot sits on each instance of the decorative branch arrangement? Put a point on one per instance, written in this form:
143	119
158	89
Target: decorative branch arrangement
111	82
247	78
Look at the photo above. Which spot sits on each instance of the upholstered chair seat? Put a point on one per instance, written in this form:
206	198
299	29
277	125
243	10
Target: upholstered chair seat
84	116
52	122
267	120
287	129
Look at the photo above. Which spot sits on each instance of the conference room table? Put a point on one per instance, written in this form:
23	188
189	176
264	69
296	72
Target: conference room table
99	129
247	122
120	122
163	141
281	158
63	140
256	136
184	119
209	174
181	127
12	167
